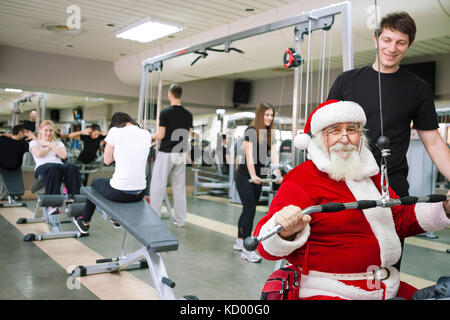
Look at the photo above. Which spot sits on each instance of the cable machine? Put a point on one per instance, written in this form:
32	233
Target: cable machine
305	23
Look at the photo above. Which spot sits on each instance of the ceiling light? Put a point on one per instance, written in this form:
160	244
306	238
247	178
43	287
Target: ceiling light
148	30
13	90
61	29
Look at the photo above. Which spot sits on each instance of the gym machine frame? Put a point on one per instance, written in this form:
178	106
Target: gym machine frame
304	23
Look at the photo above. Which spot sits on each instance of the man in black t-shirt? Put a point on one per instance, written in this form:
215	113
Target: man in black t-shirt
13	148
175	127
30	125
405	98
92	136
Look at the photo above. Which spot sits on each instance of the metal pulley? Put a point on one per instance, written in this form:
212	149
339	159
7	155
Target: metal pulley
292	58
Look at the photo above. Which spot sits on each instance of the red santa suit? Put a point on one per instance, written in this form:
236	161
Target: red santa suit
338	252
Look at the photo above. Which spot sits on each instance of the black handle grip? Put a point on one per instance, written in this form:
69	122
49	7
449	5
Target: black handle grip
332	207
437	197
408	200
168	282
366	204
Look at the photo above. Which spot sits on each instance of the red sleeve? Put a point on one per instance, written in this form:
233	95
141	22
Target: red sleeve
290	193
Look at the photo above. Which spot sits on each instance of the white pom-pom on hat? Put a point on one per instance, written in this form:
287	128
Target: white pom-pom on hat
302	141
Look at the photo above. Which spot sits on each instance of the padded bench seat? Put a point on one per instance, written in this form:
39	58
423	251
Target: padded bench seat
138	218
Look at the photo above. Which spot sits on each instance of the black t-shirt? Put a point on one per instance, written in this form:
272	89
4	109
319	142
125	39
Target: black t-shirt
90	147
174	118
405	98
261	153
11	152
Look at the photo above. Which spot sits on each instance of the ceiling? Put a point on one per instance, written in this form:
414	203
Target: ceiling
23	24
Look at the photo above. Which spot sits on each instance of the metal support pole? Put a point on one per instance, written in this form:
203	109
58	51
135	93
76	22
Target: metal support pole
43	104
347	38
296	103
158	104
142	91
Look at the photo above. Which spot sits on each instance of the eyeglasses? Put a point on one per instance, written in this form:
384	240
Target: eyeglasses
337	133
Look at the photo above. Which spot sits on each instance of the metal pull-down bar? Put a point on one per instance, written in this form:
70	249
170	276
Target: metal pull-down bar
323	18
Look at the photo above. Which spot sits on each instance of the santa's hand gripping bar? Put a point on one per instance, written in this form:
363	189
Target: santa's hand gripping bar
251	243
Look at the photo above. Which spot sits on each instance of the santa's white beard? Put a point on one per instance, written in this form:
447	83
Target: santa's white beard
345	160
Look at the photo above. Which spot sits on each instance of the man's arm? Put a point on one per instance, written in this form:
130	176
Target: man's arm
437	149
160	133
76	134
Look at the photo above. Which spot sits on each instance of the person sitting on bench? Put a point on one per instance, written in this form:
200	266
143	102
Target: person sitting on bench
344	255
48	155
128	145
92	136
13	148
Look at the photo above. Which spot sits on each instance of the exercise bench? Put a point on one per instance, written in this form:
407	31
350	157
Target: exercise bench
142	222
11	184
41	214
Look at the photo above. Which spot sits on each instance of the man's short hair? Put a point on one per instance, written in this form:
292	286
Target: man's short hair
95	127
176	90
400	21
18	128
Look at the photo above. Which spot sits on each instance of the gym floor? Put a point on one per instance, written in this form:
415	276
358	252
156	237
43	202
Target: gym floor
205	265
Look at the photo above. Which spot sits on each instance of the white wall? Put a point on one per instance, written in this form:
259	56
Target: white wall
39	71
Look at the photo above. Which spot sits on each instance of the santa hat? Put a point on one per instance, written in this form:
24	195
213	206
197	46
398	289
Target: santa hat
326	114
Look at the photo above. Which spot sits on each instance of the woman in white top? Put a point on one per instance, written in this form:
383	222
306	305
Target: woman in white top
48	155
128	145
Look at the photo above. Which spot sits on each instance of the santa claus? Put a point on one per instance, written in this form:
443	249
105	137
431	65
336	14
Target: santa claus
348	254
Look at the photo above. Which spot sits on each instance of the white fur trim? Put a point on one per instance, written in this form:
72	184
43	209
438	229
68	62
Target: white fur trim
392	283
323	162
302	141
315	285
342	111
380	220
277	246
383	226
431	216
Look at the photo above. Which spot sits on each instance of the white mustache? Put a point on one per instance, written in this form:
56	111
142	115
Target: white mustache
343	147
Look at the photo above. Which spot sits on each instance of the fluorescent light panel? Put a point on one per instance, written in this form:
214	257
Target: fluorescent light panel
148	30
13	90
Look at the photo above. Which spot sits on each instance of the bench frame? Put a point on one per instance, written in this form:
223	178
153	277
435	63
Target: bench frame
139	259
17	189
41	216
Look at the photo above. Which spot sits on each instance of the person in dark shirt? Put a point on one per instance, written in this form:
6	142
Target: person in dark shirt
175	127
12	148
259	148
92	136
405	98
30	125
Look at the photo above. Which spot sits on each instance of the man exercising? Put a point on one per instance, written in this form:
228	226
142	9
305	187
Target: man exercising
14	147
92	137
347	254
